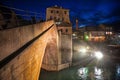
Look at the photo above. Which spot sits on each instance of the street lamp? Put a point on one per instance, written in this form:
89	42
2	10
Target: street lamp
98	55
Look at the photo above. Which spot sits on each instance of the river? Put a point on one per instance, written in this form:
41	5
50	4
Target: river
84	73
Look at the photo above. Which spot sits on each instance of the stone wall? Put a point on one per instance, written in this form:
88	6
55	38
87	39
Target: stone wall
50	60
61	59
65	30
12	39
66	49
26	65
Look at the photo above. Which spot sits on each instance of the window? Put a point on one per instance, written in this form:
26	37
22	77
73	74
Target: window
61	30
51	11
57	11
62	19
66	30
65	12
58	19
54	18
50	17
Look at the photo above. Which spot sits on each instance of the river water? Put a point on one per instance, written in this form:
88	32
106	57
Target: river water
83	73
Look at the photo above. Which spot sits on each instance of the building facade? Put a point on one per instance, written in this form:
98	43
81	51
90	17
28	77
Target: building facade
99	33
61	17
58	14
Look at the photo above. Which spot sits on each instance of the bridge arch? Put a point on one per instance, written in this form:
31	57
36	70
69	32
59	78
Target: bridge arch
22	50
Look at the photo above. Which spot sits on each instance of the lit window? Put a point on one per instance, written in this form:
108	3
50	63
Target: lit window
57	22
110	32
106	32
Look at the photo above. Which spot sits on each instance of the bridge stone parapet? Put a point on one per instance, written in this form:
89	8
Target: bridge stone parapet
22	50
12	39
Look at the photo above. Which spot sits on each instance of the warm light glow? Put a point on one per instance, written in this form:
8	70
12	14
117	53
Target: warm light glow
97	38
106	32
74	34
83	50
88	47
110	32
98	55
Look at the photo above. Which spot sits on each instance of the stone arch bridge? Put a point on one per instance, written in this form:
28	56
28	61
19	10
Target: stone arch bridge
22	50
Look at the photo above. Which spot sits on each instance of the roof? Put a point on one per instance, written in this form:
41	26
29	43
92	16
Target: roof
58	7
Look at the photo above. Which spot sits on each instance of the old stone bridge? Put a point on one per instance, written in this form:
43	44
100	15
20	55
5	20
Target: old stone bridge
24	50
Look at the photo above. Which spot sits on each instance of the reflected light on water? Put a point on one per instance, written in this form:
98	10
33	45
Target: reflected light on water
98	73
83	72
118	72
118	69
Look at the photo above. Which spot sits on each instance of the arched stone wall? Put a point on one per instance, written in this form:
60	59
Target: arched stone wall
22	50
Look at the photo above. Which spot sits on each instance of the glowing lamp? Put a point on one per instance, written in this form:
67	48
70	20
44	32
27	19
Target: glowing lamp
98	55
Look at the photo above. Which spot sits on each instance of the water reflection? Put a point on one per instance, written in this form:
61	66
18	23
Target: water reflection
118	72
98	73
83	73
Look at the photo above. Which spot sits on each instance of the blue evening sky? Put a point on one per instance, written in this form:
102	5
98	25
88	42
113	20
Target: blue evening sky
88	12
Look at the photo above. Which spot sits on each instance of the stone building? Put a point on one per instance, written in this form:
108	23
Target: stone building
61	17
99	33
59	14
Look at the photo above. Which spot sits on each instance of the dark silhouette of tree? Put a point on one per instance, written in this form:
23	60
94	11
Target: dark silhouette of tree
21	21
33	19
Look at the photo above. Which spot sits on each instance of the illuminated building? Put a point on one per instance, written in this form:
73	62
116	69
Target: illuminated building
97	34
61	18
